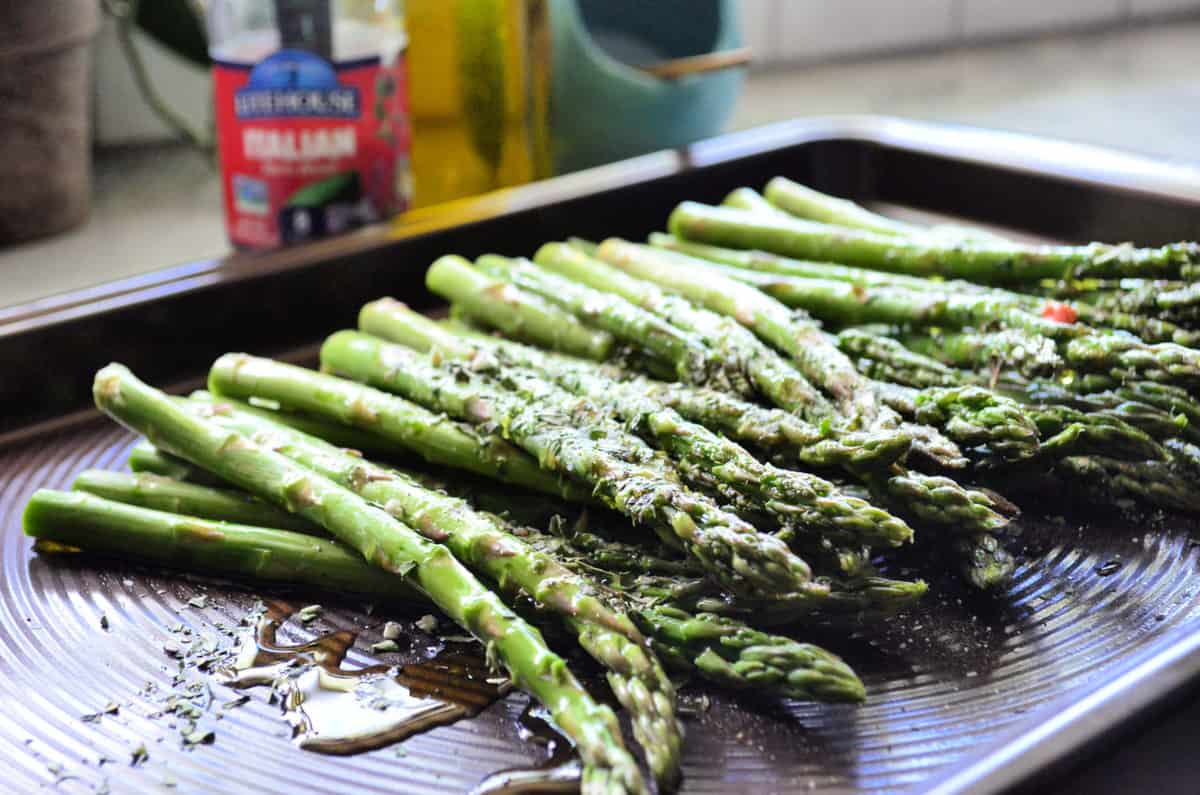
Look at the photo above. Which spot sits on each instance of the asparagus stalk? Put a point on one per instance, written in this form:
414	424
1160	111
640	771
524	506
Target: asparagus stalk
640	404
1125	357
947	504
766	262
796	335
1071	424
145	457
976	417
484	544
1177	302
1166	398
649	580
588	247
1156	423
750	199
862	598
804	202
1156	483
690	359
984	562
728	652
743	559
1068	431
779	433
112	528
937	502
633	570
518	315
808	508
888	360
771	375
175	496
1029	354
393	547
994	263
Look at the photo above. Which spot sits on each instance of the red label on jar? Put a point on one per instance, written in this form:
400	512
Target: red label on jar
309	148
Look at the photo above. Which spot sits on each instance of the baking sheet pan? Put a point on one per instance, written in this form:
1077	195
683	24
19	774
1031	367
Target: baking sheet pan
965	694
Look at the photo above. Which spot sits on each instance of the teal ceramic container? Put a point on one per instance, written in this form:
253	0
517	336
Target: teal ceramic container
604	108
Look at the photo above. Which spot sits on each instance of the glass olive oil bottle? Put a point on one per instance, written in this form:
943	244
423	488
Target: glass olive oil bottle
478	92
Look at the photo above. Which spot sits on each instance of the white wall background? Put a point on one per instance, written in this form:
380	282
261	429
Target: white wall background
783	31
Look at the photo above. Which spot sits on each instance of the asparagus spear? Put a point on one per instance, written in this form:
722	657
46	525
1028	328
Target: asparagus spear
535	317
1155	422
867	598
976	417
145	457
936	501
984	562
638	574
1029	354
690	359
771	375
1125	357
1171	399
807	508
1157	483
750	199
775	431
395	548
175	496
588	247
116	529
888	360
1068	431
769	263
994	263
804	202
642	398
1147	328
846	303
484	544
1118	424
745	560
728	652
794	334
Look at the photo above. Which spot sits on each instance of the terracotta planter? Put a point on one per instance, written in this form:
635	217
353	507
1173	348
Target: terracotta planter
45	130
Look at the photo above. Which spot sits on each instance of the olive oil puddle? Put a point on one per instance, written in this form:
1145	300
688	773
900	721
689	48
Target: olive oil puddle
333	710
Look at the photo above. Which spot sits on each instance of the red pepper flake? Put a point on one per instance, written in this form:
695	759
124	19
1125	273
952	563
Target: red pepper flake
1059	312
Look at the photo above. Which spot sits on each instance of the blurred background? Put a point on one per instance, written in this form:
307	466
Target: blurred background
107	124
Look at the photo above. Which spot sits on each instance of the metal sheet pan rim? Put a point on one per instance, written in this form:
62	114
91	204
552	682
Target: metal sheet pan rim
1014	151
